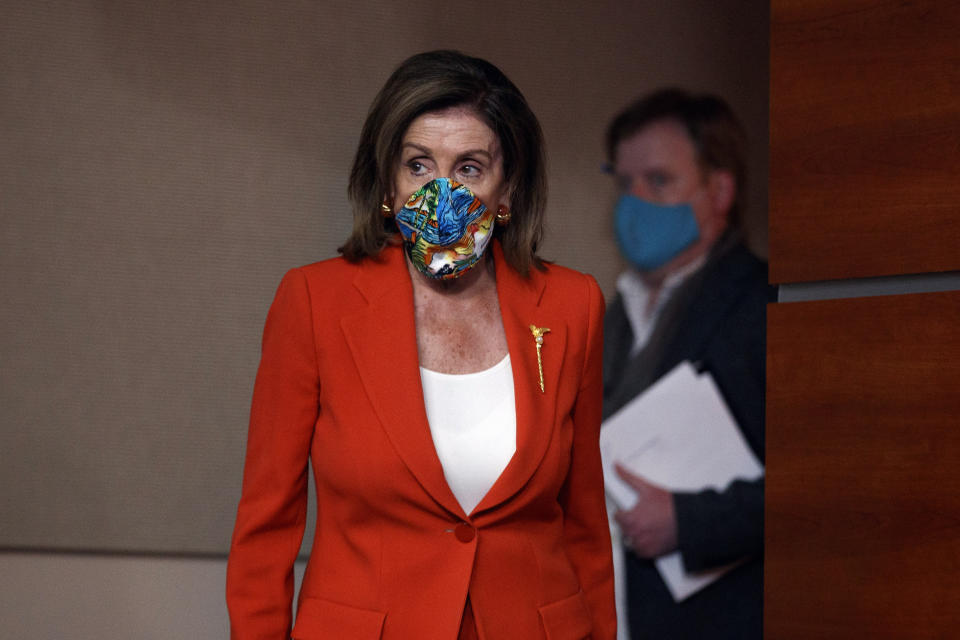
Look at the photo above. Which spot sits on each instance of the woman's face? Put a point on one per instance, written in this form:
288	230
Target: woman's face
453	143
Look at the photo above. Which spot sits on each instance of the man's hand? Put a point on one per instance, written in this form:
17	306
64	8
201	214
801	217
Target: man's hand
650	527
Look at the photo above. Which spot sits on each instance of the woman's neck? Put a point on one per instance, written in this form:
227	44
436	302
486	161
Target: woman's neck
459	328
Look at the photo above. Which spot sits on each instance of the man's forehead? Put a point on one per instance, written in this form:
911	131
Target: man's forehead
664	142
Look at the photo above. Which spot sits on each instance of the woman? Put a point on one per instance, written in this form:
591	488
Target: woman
445	383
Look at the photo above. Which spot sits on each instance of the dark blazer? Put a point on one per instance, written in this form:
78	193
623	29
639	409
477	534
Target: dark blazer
394	556
716	320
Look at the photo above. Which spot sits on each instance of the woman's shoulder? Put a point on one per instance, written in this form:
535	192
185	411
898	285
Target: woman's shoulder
571	281
329	270
340	279
315	280
341	269
573	298
572	294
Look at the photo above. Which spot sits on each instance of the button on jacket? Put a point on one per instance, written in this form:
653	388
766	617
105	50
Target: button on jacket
394	555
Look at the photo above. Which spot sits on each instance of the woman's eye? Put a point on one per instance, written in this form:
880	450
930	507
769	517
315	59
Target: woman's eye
416	168
470	170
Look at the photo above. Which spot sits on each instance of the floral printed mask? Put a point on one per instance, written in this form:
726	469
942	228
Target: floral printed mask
445	229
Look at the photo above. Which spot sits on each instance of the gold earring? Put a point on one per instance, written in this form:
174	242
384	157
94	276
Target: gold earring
386	209
503	215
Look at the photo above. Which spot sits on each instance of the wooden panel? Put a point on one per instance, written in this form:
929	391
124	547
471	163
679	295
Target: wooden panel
865	142
863	468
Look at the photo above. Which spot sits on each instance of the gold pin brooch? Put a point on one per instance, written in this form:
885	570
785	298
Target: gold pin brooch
538	333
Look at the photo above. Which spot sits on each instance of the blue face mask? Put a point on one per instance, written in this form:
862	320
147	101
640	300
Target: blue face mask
651	234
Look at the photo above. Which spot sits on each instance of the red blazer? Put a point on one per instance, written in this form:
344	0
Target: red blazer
394	556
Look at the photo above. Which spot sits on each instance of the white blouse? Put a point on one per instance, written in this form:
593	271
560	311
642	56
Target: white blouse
473	422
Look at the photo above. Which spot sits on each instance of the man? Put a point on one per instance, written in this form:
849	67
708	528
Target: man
693	293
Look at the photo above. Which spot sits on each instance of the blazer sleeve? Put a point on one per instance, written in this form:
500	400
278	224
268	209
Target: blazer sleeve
586	530
273	503
717	527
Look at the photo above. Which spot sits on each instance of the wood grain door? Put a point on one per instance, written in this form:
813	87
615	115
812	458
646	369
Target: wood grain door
863	394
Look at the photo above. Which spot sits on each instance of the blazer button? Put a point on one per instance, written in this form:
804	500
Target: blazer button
464	532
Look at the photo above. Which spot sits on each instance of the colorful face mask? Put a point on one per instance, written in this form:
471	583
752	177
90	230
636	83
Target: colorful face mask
445	229
651	234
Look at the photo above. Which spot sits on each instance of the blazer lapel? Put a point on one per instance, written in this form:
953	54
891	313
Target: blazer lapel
383	341
716	290
519	308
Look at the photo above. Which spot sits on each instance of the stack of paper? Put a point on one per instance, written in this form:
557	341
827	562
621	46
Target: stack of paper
678	434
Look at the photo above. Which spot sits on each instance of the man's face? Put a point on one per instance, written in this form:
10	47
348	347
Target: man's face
659	164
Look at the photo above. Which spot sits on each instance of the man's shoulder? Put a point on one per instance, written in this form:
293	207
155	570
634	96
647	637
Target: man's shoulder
739	273
739	261
727	308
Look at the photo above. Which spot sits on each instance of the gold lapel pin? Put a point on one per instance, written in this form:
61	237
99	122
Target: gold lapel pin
538	333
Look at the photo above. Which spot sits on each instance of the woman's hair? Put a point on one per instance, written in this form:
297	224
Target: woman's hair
433	81
717	135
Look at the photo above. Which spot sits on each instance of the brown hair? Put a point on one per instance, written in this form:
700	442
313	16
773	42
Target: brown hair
433	81
716	133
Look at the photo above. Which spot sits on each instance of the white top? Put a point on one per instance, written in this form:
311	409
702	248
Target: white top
473	421
635	293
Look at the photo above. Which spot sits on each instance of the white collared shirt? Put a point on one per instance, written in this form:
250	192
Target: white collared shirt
636	295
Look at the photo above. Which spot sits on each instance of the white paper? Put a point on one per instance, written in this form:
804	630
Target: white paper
679	435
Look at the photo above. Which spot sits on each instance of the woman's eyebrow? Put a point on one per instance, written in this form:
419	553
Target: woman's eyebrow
472	153
420	148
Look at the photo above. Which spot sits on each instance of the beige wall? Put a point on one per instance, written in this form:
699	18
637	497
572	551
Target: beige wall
161	166
77	597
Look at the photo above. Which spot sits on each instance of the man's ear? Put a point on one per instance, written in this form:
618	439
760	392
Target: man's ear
722	187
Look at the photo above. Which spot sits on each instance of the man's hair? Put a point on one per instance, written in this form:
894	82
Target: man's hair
434	81
717	134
